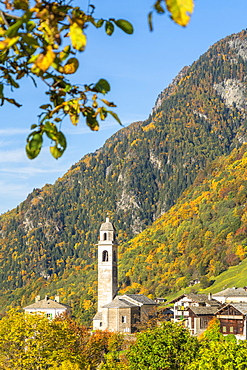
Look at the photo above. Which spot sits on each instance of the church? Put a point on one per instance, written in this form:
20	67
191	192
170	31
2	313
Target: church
116	312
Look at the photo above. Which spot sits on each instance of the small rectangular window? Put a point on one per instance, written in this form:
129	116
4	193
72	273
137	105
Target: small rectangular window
124	319
100	324
49	315
224	329
231	329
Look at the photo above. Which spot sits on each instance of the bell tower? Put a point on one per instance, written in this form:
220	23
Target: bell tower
107	264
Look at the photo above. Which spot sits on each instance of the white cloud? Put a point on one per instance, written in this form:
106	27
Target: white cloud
12	156
33	170
13	131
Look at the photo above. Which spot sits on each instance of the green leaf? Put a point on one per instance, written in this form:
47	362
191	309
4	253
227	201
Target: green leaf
45	106
12	101
13	82
92	122
36	141
100	23
51	130
125	26
30	26
102	86
21	4
150	21
65	53
158	7
61	140
32	153
30	40
1	90
13	30
33	126
56	152
114	115
109	28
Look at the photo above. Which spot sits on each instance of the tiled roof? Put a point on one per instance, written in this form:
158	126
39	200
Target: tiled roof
46	303
98	316
199	298
119	302
231	292
242	307
205	310
140	298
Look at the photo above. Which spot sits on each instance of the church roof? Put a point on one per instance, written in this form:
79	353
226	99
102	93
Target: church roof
98	316
139	298
107	226
46	303
119	302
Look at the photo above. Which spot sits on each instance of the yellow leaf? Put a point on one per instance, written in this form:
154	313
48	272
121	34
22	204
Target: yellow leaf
44	61
180	10
78	38
70	67
8	42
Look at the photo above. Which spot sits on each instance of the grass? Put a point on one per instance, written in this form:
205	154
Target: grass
235	276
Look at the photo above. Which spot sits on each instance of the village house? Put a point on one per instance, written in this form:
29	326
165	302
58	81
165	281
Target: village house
49	307
234	294
233	319
116	313
195	310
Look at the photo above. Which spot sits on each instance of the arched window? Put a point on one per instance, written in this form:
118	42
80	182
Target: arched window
105	236
105	256
114	256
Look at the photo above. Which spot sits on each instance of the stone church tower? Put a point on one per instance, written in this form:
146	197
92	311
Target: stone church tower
115	313
107	264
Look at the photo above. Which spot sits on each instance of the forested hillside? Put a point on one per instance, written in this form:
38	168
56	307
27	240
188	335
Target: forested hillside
48	241
198	238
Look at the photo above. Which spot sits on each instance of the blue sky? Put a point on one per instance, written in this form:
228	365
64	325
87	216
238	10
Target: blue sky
138	68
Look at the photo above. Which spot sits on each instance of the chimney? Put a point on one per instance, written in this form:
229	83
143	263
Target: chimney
209	296
57	299
37	298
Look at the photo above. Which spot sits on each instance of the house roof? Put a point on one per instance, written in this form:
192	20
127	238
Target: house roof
231	292
119	302
139	298
241	307
46	303
199	298
205	310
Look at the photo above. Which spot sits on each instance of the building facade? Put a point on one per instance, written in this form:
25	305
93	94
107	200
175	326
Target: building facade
49	307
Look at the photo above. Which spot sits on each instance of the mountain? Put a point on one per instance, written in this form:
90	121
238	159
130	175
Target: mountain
203	234
48	241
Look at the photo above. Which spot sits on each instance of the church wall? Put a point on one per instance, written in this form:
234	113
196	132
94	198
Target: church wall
124	320
113	321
